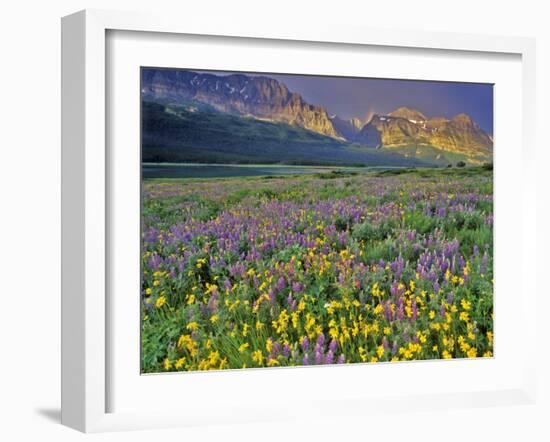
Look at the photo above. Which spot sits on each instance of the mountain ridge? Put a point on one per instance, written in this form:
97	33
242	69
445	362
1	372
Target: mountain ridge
260	96
200	133
268	99
409	127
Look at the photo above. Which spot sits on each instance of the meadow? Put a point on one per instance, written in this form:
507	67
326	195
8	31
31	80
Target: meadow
326	268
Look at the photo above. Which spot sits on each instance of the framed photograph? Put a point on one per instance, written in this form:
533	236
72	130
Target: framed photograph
269	222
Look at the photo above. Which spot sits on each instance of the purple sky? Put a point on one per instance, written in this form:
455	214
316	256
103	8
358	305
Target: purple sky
361	97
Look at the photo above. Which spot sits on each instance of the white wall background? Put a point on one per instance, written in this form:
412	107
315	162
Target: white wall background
30	213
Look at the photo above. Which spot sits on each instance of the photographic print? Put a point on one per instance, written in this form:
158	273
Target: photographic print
305	220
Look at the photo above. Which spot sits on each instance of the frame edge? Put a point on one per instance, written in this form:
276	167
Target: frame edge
83	370
73	80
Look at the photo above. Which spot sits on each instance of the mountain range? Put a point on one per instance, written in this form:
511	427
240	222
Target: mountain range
276	123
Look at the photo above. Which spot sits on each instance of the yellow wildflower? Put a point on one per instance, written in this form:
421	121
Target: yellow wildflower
161	300
223	363
180	363
213	357
257	357
193	326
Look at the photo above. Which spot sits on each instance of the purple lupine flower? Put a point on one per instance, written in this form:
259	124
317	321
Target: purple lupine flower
155	261
296	287
333	346
329	357
341	359
400	309
305	344
306	359
318	358
388	311
394	348
272	297
286	351
289	299
276	349
293	305
281	283
321	340
227	285
483	265
213	303
341	278
393	289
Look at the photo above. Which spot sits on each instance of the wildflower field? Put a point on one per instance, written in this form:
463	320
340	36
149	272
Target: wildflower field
325	268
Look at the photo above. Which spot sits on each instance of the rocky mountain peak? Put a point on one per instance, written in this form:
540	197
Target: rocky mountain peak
408	114
463	120
409	127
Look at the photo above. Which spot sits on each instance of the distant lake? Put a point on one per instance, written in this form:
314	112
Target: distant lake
193	170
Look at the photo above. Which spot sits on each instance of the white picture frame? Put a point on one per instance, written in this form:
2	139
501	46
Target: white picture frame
86	202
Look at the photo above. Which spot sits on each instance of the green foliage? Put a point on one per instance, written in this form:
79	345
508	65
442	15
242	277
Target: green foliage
420	222
335	174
